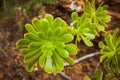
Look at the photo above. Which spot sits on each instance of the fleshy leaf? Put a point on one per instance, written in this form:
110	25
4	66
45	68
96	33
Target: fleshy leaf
30	28
87	41
49	17
66	38
22	43
101	44
30	55
48	65
74	15
30	65
31	37
62	52
71	48
69	60
37	24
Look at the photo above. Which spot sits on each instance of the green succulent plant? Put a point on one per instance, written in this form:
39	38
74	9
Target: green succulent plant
84	29
110	52
97	15
109	76
99	76
47	42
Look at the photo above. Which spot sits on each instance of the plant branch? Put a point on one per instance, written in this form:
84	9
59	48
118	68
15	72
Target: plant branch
76	62
84	58
65	76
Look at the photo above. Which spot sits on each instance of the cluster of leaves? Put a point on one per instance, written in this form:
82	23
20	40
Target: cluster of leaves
99	76
110	50
47	42
97	15
84	29
90	22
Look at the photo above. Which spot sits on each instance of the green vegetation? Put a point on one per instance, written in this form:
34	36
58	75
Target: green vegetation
99	76
84	29
110	51
99	15
47	42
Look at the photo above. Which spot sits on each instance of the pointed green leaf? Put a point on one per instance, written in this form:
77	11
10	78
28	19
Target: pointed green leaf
59	44
34	44
22	43
48	65
74	16
101	44
115	35
31	37
87	41
50	32
49	17
66	38
45	25
29	56
89	35
37	24
66	30
69	60
30	65
30	28
24	51
63	53
57	31
56	23
42	59
58	62
71	48
98	75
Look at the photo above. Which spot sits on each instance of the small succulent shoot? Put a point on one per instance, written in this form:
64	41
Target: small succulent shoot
99	76
98	15
84	29
109	76
47	42
110	52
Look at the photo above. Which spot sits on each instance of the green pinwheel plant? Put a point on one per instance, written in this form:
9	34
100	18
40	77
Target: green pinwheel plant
47	42
84	29
110	52
97	15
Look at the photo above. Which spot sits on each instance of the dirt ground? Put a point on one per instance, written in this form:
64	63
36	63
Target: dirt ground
11	61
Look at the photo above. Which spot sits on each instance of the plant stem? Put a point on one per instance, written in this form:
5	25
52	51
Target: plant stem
84	58
65	76
76	62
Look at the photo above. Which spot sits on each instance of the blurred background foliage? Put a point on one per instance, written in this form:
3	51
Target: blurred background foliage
8	7
19	12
